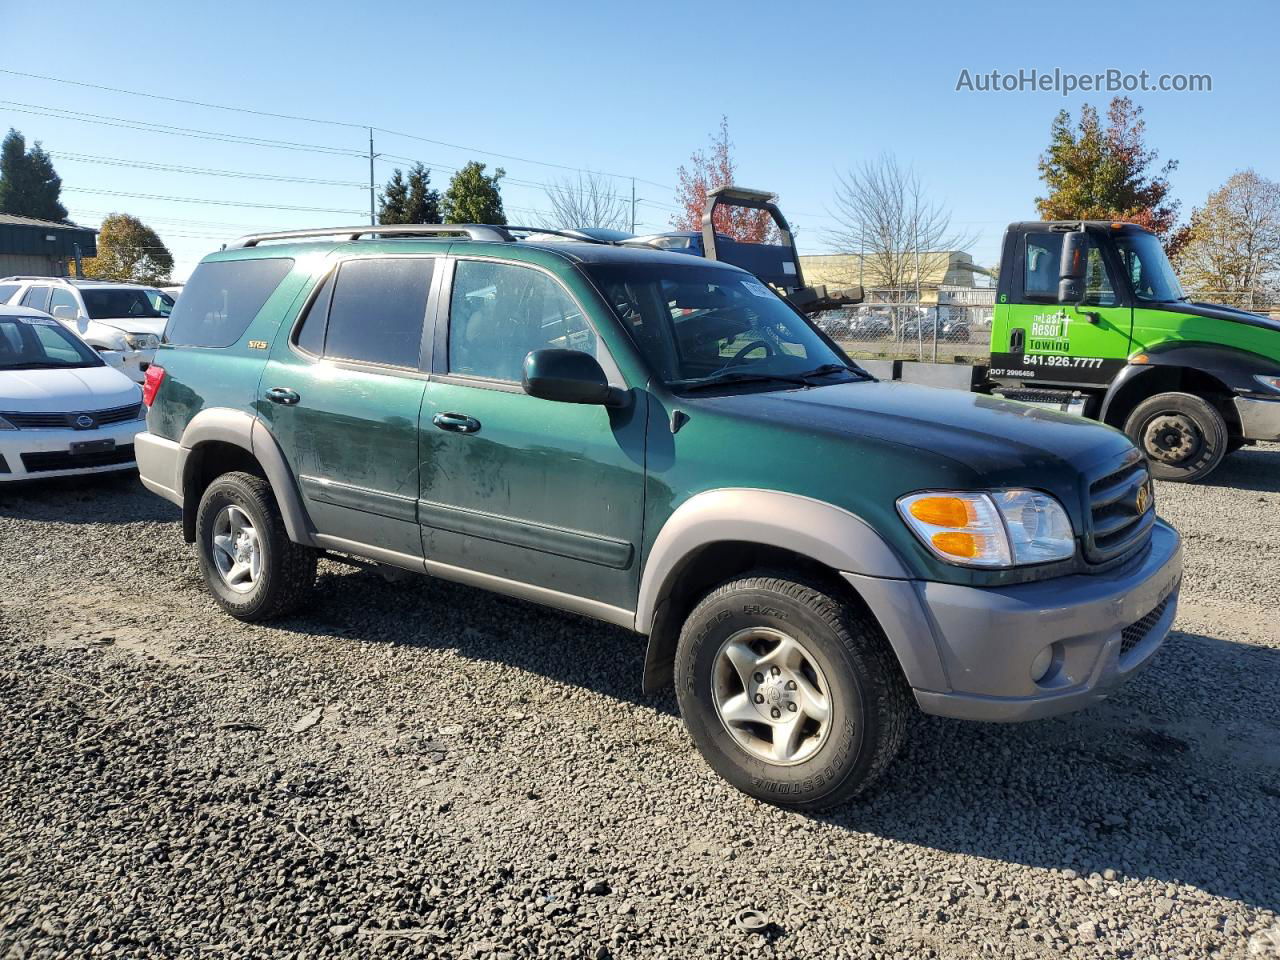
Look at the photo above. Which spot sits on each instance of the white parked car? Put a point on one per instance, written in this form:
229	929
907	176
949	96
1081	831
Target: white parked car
63	409
122	321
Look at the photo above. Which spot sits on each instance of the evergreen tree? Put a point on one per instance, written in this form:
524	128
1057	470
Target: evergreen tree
411	199
29	186
473	196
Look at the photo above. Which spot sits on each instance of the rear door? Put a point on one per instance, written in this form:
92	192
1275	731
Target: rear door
1056	343
514	488
342	393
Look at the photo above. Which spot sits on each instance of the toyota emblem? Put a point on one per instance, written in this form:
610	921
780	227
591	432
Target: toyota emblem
84	421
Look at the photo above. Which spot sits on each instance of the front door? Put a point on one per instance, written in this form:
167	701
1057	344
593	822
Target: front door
342	393
518	489
1057	343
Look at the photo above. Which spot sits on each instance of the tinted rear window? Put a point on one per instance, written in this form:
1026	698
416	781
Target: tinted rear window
221	299
377	311
7	290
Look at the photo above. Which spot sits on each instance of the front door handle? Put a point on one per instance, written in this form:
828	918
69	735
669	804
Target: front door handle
456	422
283	395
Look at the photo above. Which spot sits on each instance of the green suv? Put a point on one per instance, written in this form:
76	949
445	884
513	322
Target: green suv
660	442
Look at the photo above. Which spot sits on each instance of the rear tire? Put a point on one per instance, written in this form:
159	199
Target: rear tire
250	565
1183	435
791	695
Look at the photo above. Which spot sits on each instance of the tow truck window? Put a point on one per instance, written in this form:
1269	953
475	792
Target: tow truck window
1043	259
1148	269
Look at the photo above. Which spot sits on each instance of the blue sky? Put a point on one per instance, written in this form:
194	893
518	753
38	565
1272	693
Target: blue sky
810	89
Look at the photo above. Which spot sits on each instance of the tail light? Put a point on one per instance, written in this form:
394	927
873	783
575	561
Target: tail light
153	378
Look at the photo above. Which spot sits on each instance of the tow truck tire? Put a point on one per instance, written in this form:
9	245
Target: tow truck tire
1183	435
768	652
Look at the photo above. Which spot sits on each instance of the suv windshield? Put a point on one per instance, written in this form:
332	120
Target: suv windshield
119	303
1147	268
699	324
36	343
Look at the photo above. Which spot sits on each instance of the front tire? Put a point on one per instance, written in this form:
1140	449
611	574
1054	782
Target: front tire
790	694
1183	435
252	568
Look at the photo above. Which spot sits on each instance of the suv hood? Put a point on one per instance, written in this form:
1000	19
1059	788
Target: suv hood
63	391
986	434
154	325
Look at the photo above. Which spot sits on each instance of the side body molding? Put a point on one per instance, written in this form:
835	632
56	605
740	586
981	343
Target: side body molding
241	429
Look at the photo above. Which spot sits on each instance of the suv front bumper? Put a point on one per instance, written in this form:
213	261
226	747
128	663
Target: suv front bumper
968	651
1259	419
40	454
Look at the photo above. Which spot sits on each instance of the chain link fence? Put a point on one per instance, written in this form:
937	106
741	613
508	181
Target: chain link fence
946	332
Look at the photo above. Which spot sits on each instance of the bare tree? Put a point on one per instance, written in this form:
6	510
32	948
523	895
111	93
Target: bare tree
1232	253
589	200
897	234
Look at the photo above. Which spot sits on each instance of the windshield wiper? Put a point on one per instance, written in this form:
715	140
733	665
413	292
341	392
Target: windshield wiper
42	365
729	378
829	368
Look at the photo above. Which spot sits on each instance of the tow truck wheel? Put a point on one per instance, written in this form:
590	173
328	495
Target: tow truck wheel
1183	436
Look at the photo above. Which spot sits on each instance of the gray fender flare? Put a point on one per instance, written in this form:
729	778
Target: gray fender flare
827	534
241	429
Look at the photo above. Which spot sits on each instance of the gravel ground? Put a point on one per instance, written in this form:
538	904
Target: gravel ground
421	769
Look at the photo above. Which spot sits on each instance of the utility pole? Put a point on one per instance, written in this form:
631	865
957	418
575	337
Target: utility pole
373	220
633	204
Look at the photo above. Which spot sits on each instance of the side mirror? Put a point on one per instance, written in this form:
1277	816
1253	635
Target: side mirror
65	313
568	376
1073	266
1070	291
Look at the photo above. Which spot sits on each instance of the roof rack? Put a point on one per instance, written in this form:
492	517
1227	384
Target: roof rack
472	231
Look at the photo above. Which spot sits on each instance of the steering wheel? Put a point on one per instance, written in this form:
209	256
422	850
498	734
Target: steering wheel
741	354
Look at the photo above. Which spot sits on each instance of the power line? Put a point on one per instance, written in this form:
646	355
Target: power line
58	113
221	203
190	103
328	122
203	171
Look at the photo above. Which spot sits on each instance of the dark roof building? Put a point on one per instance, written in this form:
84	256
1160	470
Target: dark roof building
42	248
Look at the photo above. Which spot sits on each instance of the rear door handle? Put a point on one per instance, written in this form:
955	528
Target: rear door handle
283	395
456	422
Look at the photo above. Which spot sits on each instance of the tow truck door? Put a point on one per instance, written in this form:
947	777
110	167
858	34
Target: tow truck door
1043	341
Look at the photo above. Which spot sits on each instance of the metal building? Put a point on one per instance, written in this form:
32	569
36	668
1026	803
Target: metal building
43	248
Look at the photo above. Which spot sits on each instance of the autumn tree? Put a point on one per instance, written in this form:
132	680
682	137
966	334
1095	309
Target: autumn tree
896	235
409	199
706	171
585	201
129	252
1106	173
1232	251
474	196
29	186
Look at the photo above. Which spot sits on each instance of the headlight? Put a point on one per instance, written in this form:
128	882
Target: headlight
1270	382
6	425
142	341
1000	528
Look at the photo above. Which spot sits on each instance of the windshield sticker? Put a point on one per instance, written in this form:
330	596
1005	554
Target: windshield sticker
38	321
758	288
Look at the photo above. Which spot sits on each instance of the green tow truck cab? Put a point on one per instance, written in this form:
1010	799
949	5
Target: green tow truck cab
1090	319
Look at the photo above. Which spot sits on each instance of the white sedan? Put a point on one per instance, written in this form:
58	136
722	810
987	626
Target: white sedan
63	410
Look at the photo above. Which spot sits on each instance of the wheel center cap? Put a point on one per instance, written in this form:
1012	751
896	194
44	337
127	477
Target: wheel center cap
774	696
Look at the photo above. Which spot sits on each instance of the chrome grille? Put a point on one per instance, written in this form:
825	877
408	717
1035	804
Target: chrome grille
1133	635
1119	521
67	421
